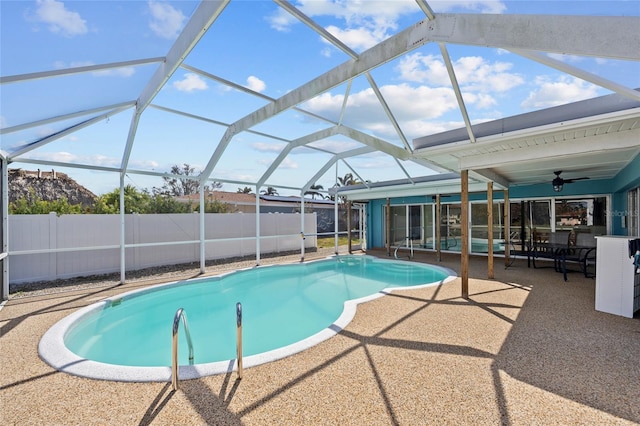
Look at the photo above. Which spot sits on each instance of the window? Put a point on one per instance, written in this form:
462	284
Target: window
581	215
529	218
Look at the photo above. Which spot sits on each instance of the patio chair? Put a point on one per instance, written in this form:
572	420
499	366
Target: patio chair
552	249
583	253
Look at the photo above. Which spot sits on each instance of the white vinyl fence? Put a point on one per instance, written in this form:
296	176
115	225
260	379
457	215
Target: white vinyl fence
48	247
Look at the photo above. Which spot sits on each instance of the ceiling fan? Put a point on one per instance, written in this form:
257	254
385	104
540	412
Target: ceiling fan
558	182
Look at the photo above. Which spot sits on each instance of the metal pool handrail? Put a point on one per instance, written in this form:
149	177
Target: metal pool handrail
180	313
409	245
239	337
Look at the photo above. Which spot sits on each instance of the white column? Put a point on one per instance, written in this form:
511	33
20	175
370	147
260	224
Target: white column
122	231
5	229
335	225
302	226
257	225
202	230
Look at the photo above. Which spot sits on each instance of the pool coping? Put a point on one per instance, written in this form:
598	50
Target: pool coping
54	352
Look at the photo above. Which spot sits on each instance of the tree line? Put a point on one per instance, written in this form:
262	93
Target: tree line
157	200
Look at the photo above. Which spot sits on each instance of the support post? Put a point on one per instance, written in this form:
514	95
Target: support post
507	230
4	253
388	226
464	254
335	225
349	226
202	230
257	225
490	229
302	226
123	250
438	244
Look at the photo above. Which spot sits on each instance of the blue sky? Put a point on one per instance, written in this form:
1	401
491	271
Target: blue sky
260	46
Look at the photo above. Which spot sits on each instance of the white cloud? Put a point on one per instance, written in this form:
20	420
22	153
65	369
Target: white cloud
358	38
473	73
115	72
419	68
364	110
561	91
268	147
287	163
3	122
336	145
255	84
281	20
479	100
166	21
59	19
190	82
362	26
93	160
482	6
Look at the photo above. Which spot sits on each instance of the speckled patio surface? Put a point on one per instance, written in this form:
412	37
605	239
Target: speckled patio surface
524	348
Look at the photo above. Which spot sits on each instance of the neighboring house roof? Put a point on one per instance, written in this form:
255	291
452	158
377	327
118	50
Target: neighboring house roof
250	199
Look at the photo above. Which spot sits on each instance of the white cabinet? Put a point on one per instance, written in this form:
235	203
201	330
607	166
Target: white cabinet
617	285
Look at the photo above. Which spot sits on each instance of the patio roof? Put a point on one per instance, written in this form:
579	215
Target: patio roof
595	138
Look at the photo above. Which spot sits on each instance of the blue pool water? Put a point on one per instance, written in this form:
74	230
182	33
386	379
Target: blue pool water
281	305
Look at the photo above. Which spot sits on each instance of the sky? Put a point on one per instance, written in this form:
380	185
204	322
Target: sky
260	48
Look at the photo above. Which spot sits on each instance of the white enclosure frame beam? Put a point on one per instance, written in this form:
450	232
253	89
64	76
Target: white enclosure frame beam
77	70
456	88
313	137
376	56
344	101
555	34
356	173
571	35
577	72
203	17
37	123
332	161
387	111
374	142
404	170
315	27
249	91
452	75
67	131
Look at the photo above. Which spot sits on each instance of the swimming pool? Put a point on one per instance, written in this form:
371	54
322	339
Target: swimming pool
286	309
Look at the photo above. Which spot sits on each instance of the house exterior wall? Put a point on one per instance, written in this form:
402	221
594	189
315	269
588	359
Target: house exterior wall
615	189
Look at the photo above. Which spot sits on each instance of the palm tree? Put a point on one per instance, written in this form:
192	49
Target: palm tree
314	190
269	191
245	190
347	180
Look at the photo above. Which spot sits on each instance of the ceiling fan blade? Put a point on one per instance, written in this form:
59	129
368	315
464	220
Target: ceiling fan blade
575	179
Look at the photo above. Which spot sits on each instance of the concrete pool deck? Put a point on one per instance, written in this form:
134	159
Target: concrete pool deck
525	348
